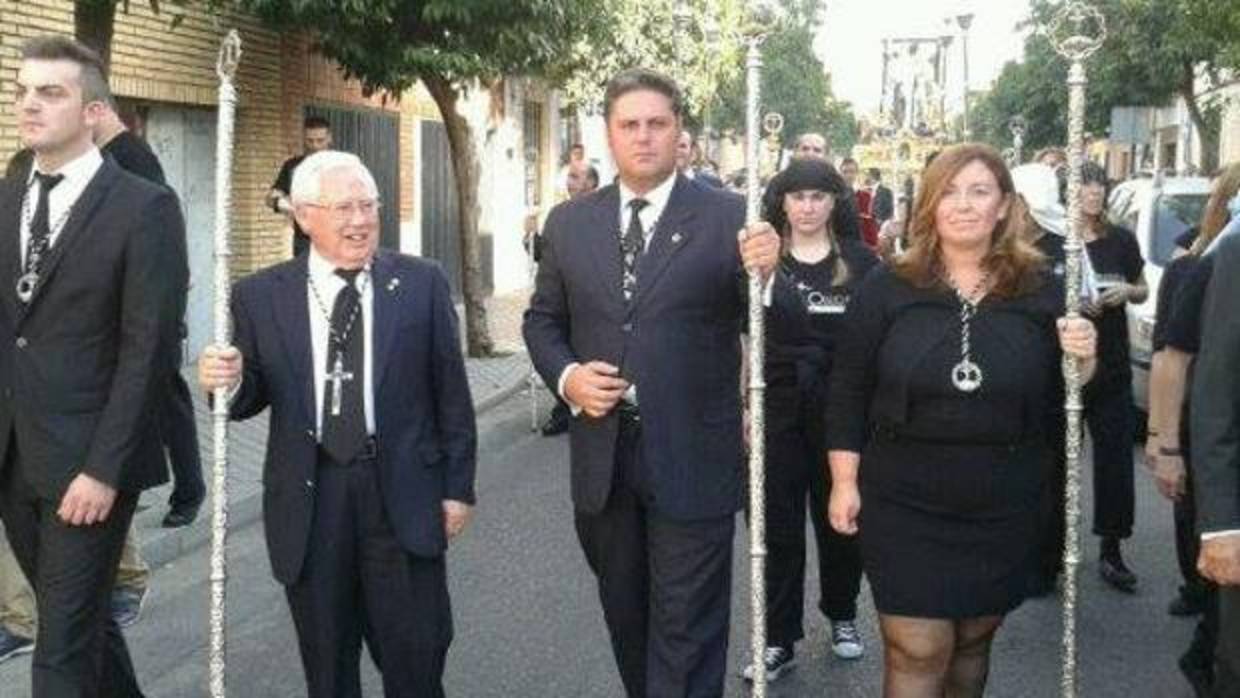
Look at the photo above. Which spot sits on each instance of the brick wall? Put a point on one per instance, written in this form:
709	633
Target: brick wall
279	74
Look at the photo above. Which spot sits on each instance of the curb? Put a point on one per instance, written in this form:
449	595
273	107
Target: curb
167	549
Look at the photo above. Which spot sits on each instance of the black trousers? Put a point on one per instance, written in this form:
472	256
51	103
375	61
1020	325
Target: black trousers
1227	652
1108	414
665	586
358	583
179	433
796	471
79	650
1187	541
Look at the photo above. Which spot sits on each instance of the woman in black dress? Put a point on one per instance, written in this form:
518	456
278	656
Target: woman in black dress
938	402
824	259
1119	273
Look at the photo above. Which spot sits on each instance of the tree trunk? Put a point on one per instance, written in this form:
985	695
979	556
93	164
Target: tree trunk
465	168
93	21
1207	125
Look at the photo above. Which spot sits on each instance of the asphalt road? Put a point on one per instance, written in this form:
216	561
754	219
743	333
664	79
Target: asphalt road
528	623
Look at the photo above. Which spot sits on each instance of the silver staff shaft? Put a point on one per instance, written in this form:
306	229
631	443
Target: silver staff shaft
230	56
1077	32
757	384
1073	248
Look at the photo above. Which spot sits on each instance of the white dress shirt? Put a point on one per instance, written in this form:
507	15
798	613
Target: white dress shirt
323	277
78	174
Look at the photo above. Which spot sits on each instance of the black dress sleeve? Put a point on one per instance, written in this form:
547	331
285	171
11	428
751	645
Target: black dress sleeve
1131	261
1168	288
856	363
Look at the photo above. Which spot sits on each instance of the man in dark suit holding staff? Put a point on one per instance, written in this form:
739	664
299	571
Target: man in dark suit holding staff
93	275
636	318
371	449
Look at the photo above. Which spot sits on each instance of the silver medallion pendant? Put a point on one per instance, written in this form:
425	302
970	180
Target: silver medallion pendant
25	286
967	376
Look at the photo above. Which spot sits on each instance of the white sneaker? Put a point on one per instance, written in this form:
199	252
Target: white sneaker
845	640
778	660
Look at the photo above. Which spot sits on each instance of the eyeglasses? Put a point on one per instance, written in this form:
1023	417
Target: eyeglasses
345	210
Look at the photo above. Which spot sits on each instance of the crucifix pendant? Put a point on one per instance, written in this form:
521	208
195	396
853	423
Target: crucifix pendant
337	377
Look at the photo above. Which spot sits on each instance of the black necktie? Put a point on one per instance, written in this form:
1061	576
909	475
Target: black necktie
40	228
631	246
344	433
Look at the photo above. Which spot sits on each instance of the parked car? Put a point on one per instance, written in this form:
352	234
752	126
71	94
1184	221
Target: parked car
1157	210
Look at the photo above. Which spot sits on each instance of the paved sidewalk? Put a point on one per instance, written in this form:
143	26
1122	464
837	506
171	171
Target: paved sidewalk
491	381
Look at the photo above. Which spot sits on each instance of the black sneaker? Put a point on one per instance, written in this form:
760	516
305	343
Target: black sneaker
12	644
127	605
778	660
846	640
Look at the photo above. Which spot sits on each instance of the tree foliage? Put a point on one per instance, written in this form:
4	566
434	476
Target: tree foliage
695	48
1154	52
449	46
794	83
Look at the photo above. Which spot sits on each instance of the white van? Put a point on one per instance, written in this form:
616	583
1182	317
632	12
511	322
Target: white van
1157	210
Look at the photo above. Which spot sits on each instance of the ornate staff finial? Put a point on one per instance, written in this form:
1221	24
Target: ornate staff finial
230	56
1077	31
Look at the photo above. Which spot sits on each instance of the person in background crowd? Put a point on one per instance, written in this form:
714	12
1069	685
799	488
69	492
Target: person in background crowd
1044	227
937	403
864	200
810	145
1119	278
316	137
823	261
688	158
1176	342
580	184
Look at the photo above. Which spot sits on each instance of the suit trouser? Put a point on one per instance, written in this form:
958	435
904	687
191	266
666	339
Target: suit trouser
179	434
79	650
358	583
665	585
795	471
17	606
1227	652
1108	413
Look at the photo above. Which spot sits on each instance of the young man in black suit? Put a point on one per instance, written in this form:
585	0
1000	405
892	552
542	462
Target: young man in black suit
93	275
636	318
1216	457
371	449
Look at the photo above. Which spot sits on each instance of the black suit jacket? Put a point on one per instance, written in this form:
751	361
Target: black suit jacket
883	206
1216	398
81	368
679	342
424	416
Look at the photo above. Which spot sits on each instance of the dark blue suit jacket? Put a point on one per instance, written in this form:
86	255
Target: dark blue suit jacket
679	342
424	417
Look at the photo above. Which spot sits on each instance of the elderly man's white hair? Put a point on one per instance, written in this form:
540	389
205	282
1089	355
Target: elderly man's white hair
307	184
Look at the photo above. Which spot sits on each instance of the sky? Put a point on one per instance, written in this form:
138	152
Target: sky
850	41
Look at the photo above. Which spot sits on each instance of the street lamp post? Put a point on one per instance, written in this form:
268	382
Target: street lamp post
964	20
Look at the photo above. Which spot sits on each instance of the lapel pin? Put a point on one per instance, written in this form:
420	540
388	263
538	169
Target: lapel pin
676	238
392	285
